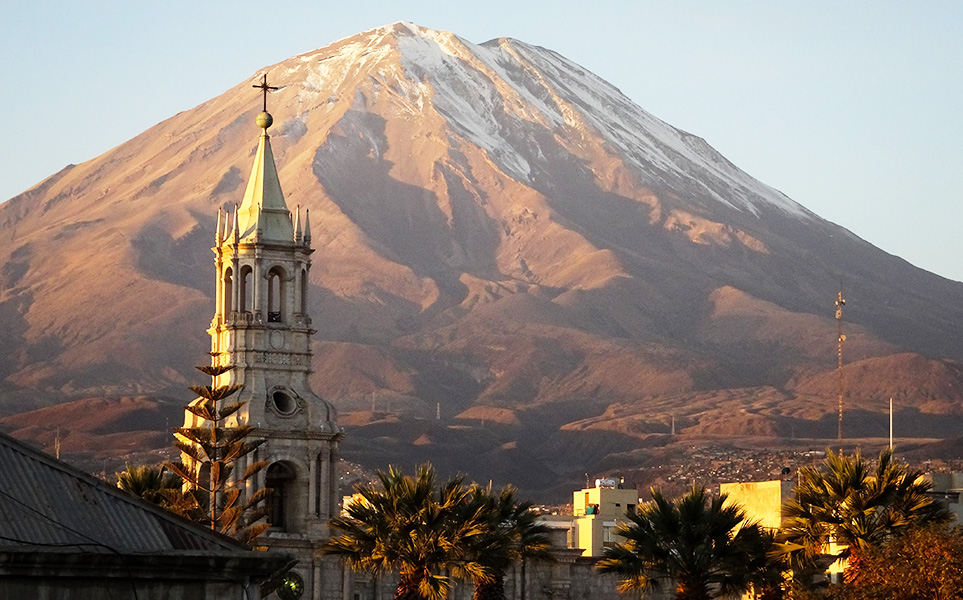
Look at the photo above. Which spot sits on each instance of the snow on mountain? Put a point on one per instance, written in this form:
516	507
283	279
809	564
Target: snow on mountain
497	231
492	92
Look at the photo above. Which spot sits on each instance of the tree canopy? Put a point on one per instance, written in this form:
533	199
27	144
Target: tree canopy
510	532
430	533
412	526
702	545
847	502
151	483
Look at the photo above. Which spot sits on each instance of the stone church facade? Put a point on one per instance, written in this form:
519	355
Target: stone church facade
262	328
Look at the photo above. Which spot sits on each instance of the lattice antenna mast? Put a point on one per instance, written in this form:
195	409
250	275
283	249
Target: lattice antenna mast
840	338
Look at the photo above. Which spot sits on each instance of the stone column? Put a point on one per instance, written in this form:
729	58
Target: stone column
312	504
324	495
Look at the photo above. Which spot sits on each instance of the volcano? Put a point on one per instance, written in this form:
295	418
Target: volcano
517	270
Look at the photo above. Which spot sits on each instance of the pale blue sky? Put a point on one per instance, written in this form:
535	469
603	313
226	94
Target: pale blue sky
852	109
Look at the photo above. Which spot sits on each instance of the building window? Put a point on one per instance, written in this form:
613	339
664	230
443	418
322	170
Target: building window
304	291
276	294
280	480
284	403
247	282
228	290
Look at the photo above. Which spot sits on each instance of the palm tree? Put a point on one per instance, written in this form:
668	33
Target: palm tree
703	545
410	526
511	532
148	482
848	503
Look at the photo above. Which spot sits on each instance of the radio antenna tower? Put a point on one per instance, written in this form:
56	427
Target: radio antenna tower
840	338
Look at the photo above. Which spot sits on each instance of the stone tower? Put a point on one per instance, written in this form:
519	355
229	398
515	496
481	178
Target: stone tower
261	326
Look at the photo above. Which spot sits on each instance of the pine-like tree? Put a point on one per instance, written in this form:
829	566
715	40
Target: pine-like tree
210	452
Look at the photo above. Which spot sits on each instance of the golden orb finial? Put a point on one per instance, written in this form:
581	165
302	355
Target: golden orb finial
265	120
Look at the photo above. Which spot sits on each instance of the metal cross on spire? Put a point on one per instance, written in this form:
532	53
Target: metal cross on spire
265	88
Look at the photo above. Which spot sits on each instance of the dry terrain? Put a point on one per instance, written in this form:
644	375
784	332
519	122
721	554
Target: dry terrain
518	273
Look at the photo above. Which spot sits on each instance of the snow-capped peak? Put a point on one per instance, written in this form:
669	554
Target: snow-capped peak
496	93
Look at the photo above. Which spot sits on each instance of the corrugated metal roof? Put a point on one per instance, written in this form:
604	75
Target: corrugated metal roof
47	503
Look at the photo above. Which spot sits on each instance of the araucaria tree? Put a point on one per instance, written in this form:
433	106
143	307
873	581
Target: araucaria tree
209	468
856	507
704	546
510	532
413	527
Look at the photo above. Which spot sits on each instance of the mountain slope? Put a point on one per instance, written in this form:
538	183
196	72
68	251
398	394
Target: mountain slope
495	228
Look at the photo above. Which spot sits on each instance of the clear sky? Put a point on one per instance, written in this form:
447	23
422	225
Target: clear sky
850	108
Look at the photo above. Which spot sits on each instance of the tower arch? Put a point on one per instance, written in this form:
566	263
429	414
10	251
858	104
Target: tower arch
288	490
227	292
246	290
277	294
303	300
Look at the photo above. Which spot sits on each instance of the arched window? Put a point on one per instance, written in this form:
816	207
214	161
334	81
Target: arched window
280	480
228	290
203	473
247	283
276	294
304	291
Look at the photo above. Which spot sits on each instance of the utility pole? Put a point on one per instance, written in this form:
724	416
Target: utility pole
840	338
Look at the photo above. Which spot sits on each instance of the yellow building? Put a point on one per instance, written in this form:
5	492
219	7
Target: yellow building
598	511
762	500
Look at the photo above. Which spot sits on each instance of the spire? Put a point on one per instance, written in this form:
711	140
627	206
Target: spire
219	232
236	233
263	207
297	224
307	228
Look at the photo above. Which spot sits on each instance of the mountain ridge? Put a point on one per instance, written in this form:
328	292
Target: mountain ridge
495	229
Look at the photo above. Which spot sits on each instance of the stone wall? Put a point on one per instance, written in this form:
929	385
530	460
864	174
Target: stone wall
571	577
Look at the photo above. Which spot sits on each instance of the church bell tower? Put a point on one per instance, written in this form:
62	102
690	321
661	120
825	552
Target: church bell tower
261	326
